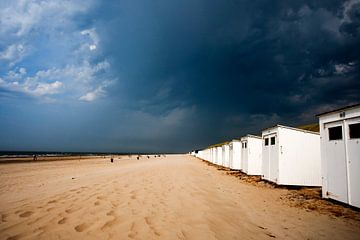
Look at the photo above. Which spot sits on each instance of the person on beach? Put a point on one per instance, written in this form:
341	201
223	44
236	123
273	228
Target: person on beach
35	157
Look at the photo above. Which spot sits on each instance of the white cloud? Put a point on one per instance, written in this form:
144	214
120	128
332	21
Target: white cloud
93	95
13	53
94	38
20	17
17	81
67	74
92	47
75	79
46	88
343	68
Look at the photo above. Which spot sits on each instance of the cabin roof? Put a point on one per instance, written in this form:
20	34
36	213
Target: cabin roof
339	109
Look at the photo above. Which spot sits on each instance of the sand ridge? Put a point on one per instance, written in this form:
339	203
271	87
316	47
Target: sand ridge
172	197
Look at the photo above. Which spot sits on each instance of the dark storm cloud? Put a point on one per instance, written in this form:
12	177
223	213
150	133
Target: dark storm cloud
260	62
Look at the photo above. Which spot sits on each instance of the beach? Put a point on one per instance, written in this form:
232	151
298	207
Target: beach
167	197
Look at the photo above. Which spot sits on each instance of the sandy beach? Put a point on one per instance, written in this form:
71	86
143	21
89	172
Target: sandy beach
172	197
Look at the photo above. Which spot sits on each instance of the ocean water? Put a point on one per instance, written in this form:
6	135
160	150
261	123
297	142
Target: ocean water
24	154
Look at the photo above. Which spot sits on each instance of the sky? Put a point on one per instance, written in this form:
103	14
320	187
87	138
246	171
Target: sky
170	76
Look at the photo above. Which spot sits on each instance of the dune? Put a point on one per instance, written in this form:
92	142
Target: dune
168	197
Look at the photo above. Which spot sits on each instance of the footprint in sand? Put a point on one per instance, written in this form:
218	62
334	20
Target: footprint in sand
81	227
133	194
97	203
110	213
62	221
14	237
151	226
70	210
132	233
3	217
50	209
114	204
26	214
101	197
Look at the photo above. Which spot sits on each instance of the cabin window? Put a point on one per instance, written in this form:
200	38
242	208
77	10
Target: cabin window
354	130
335	133
272	140
245	144
266	141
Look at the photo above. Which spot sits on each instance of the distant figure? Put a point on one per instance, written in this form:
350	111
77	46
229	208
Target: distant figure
148	157
137	158
35	157
112	160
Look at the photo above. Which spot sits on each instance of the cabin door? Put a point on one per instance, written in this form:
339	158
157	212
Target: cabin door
274	157
244	156
231	155
266	158
353	154
336	161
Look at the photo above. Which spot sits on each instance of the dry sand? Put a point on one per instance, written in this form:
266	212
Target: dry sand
177	197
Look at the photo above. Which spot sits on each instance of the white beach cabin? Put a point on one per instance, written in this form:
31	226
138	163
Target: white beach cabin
212	155
208	154
235	154
251	154
291	156
340	154
225	155
219	155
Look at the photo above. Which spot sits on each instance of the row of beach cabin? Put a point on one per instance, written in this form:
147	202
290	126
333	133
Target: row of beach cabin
291	156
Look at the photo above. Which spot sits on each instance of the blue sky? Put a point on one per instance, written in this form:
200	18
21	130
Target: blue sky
169	76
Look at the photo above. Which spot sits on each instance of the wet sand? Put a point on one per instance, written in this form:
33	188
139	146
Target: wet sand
173	197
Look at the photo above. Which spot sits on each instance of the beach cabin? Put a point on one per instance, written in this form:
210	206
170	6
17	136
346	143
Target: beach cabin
207	154
210	154
251	154
225	155
214	155
291	156
340	154
219	155
235	154
200	154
